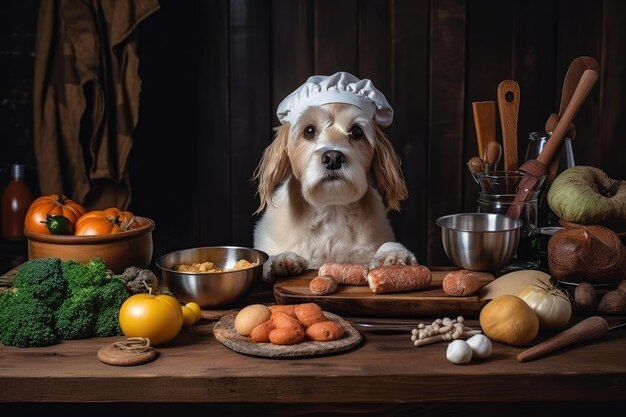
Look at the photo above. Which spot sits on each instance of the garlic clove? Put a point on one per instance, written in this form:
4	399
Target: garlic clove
459	352
481	346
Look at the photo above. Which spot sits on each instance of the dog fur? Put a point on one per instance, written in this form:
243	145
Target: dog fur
314	214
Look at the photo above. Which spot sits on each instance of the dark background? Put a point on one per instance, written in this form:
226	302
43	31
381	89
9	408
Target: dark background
213	73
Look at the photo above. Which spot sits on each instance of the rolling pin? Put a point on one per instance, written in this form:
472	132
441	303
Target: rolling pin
590	328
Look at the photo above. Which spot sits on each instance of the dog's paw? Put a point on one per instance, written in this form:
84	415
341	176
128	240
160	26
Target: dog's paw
283	264
392	253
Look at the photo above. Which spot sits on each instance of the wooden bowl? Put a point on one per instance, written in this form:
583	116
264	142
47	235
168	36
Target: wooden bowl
119	251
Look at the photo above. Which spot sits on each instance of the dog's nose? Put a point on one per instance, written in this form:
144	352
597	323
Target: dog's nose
333	159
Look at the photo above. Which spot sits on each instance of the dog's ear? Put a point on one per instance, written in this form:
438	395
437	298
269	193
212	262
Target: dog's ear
387	171
273	168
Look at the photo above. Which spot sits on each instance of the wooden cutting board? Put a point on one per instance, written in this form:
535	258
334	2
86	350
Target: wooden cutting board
361	301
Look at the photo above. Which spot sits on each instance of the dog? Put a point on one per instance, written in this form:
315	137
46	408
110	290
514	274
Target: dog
327	180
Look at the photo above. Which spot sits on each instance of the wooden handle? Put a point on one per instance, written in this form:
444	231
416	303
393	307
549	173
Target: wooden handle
476	165
535	168
591	328
493	152
508	105
484	122
583	89
572	77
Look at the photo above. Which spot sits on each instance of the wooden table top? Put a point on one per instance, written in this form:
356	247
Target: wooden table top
384	368
384	375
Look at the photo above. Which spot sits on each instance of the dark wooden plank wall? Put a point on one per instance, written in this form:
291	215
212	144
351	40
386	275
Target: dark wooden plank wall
213	73
430	58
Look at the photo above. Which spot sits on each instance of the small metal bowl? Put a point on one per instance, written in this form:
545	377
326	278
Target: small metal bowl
211	289
480	241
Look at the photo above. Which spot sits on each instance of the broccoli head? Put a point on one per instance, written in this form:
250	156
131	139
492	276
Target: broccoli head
43	279
111	297
92	310
25	321
113	293
82	275
77	316
107	323
53	299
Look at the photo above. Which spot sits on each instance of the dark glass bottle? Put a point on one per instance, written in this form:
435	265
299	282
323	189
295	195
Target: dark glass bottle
16	199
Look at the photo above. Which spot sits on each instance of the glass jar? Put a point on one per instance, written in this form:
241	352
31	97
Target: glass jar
528	251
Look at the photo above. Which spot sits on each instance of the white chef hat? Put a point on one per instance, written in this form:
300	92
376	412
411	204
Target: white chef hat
341	87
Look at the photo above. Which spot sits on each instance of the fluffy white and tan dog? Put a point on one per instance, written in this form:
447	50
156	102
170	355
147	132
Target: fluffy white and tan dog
327	180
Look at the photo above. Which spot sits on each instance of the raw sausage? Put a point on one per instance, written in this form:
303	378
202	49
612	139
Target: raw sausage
461	283
323	285
345	274
398	278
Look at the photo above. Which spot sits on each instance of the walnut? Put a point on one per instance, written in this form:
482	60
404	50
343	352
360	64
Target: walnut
139	280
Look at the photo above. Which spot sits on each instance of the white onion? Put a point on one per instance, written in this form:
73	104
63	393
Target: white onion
551	304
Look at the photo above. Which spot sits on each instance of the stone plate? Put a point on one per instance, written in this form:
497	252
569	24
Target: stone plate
225	333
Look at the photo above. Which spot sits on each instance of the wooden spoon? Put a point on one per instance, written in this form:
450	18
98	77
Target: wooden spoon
535	168
493	153
484	122
572	77
508	105
476	166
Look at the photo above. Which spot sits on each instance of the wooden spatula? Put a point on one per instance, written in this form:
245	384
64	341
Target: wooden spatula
485	123
535	168
508	105
572	77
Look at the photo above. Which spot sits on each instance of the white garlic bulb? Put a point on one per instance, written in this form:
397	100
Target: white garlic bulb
459	352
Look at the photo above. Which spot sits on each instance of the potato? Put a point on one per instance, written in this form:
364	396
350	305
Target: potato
585	297
613	302
309	313
283	321
261	333
325	331
251	316
288	309
286	336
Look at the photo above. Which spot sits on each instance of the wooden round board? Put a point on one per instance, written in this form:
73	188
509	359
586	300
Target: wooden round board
112	355
225	333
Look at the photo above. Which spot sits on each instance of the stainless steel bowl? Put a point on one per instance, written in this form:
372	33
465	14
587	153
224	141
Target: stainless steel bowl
480	241
211	289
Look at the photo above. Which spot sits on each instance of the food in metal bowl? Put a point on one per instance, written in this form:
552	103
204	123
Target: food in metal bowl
212	289
210	266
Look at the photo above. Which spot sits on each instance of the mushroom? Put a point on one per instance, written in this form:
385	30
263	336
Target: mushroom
441	330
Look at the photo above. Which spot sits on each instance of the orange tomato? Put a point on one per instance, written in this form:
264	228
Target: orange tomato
156	317
36	216
103	222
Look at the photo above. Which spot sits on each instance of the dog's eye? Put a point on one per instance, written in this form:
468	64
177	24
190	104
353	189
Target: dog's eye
355	132
309	132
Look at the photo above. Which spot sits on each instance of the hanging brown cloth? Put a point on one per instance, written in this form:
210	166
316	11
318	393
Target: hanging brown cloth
86	97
